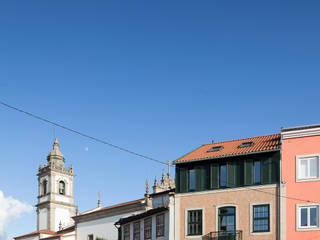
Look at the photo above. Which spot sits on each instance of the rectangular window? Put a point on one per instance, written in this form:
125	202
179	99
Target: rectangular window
308	167
257	172
192	179
309	216
160	225
148	228
90	237
126	232
223	175
194	222
261	218
136	231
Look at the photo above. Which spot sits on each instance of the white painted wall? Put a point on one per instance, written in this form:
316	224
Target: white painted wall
101	228
35	237
63	215
160	201
43	219
69	236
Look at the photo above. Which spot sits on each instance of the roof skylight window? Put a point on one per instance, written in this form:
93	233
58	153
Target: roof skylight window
245	144
215	149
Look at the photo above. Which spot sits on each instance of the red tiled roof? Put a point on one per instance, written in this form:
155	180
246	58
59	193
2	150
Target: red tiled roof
36	233
230	148
110	207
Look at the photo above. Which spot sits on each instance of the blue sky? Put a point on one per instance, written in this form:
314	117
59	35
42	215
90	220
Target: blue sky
156	77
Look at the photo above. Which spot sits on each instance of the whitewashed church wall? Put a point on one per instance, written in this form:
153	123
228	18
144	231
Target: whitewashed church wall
43	219
62	215
101	228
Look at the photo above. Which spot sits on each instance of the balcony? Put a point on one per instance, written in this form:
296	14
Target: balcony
225	235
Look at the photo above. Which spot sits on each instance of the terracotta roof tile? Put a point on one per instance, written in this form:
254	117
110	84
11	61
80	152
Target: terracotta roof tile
36	233
231	148
110	207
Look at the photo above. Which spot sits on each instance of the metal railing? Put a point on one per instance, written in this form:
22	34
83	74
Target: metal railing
225	235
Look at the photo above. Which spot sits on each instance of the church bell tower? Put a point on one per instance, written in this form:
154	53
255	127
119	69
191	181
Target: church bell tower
55	192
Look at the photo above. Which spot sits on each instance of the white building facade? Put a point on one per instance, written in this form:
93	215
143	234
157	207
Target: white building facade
98	224
158	221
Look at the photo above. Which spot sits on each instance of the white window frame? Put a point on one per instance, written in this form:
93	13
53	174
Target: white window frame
186	223
298	161
270	218
298	217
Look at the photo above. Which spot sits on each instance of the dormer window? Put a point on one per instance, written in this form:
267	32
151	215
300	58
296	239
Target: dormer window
44	186
215	149
245	144
62	187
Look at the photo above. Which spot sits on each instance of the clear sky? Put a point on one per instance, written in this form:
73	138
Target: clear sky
156	77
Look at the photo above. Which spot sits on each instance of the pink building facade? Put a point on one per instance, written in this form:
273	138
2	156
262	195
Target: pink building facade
300	175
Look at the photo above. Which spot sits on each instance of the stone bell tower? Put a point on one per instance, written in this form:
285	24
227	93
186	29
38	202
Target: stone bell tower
55	192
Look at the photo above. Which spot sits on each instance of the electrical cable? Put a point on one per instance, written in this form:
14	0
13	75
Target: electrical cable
83	134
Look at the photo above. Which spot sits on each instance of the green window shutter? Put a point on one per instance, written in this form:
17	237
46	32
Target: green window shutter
275	169
198	178
177	179
201	178
207	177
238	174
248	172
214	175
266	168
183	180
275	177
231	175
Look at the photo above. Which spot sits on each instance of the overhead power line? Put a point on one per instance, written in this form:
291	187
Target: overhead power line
132	152
82	134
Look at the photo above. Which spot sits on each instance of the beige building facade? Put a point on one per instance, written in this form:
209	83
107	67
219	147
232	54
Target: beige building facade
241	199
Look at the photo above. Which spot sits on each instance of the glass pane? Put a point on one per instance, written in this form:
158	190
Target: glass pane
303	168
223	175
314	167
231	220
257	172
223	221
303	217
314	216
192	179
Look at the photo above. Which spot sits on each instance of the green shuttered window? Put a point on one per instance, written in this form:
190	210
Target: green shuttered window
228	174
194	222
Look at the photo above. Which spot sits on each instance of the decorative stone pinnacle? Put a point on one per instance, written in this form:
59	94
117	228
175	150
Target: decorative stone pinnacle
99	199
147	187
163	175
169	165
56	144
155	180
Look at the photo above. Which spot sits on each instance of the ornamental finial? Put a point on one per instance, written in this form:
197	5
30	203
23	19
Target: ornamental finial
147	186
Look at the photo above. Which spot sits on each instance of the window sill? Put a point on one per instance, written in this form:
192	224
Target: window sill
307	179
299	229
261	233
193	236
